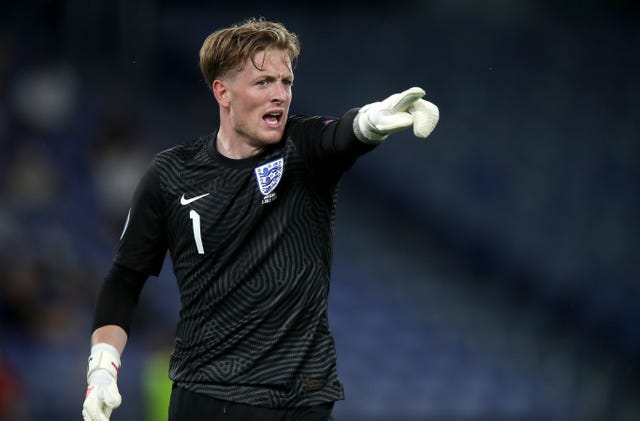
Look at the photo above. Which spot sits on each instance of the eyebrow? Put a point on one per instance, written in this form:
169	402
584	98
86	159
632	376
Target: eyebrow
272	77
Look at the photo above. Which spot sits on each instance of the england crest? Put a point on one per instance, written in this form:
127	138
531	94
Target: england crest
269	175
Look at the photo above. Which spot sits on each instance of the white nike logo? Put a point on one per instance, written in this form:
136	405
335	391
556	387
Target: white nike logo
184	201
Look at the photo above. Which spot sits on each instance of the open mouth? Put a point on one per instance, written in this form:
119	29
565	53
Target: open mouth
273	118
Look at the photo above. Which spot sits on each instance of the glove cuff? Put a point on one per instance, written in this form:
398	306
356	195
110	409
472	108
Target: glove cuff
364	131
103	357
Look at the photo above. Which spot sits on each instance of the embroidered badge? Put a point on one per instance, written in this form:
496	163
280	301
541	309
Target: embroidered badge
268	176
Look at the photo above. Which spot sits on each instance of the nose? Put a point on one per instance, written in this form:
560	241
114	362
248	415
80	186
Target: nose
281	92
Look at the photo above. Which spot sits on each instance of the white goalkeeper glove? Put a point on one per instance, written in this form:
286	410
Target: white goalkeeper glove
102	391
374	122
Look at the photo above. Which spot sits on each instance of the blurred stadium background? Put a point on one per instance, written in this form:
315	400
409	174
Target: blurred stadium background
488	273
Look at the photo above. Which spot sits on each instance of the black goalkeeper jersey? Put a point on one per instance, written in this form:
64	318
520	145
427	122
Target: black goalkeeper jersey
251	243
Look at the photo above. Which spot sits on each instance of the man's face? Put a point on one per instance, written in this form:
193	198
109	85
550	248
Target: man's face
259	99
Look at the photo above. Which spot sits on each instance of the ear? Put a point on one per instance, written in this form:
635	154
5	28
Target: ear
221	92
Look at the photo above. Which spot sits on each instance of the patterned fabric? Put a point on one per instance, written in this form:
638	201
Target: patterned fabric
250	242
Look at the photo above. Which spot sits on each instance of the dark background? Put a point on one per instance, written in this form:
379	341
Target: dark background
489	272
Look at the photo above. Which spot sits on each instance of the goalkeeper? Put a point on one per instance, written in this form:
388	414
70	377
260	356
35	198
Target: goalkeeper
246	214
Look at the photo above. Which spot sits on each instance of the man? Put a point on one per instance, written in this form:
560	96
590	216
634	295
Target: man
247	216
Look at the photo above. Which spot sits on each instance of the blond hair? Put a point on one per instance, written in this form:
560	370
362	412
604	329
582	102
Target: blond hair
226	50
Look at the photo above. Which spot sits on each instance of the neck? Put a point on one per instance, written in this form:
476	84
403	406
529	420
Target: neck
235	150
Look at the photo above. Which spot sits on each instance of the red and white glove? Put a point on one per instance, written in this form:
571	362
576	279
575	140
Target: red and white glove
102	391
375	121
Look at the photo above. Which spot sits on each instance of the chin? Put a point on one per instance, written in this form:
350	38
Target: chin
272	138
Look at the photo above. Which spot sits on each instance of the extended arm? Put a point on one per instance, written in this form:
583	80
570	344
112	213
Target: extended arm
359	130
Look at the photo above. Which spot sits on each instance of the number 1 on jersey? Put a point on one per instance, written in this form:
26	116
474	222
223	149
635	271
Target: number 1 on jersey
195	219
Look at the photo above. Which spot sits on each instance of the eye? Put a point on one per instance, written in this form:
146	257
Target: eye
287	82
262	82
